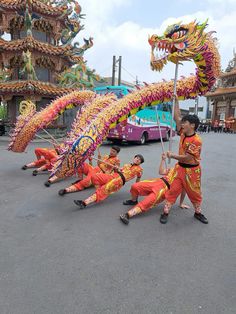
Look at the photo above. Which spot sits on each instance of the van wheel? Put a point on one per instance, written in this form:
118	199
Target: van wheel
144	138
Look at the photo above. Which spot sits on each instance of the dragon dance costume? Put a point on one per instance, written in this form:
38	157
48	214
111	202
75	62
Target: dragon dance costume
45	157
188	175
153	189
127	173
96	176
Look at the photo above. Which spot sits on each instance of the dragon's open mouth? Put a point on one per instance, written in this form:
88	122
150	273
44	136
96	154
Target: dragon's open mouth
164	48
160	52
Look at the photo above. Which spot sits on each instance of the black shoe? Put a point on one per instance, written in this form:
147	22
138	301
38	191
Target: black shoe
164	218
24	167
80	203
35	172
47	184
201	218
124	218
62	192
130	202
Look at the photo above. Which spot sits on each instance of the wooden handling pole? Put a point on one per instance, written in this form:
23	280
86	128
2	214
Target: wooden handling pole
159	127
173	109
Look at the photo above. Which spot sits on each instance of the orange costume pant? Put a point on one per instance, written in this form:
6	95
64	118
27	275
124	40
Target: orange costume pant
94	176
44	156
188	179
153	189
100	178
88	171
111	187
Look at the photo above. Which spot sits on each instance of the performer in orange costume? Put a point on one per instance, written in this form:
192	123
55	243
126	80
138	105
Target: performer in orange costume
44	158
97	176
153	189
188	170
127	173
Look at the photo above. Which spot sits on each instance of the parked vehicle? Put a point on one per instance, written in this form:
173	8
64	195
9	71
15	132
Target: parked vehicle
142	126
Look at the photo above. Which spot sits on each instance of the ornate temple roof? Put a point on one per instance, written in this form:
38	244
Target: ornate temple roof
228	74
223	87
222	91
29	43
35	87
37	6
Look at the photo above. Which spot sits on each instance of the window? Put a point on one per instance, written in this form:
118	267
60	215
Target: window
15	35
23	34
42	74
41	36
222	116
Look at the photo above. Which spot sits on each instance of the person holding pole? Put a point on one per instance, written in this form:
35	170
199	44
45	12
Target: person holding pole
153	189
105	170
188	169
126	173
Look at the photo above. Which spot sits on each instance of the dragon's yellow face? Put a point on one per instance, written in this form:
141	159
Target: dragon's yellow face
180	42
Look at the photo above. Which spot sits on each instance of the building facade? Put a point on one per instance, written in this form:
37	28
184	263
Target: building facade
36	61
223	96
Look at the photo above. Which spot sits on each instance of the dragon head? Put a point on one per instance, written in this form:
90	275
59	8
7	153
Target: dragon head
180	42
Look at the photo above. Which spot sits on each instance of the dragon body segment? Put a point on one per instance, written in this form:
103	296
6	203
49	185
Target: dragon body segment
28	124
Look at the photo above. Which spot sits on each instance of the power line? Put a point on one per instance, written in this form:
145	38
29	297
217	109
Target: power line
135	77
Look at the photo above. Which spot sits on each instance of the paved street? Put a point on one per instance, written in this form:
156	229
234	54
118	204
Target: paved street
57	260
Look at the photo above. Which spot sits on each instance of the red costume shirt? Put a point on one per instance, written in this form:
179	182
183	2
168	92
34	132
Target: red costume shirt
191	145
131	171
114	161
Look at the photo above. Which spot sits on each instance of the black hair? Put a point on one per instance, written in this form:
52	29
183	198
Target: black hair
192	119
141	157
117	148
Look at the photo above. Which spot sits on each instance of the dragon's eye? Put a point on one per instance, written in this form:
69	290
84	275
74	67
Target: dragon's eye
179	34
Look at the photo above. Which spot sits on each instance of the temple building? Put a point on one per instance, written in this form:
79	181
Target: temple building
223	96
39	60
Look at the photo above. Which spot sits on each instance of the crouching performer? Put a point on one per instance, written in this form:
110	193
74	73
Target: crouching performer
125	174
45	157
153	189
95	176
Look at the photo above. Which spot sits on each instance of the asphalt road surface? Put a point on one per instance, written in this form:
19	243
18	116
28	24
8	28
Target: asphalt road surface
55	259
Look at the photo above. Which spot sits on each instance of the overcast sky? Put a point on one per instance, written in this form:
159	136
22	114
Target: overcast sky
121	27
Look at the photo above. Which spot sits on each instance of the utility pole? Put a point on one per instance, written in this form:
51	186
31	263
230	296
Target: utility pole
196	106
113	71
119	73
115	61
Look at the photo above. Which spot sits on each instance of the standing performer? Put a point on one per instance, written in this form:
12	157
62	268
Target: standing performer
188	170
44	157
153	189
127	173
104	170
